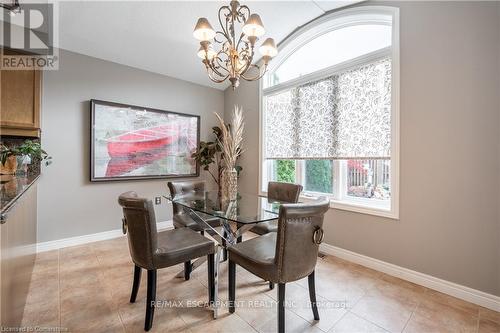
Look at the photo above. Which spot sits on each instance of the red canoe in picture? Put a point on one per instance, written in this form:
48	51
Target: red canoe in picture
140	140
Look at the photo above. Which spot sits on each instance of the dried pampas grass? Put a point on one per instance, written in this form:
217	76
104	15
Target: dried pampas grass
232	137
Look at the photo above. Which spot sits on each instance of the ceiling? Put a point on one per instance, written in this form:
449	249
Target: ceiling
157	36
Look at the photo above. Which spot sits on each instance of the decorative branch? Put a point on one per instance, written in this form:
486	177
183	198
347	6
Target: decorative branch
231	138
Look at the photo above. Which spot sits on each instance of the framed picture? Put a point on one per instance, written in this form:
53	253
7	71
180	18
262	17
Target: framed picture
131	142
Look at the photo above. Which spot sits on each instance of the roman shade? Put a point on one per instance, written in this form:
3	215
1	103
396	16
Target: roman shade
344	116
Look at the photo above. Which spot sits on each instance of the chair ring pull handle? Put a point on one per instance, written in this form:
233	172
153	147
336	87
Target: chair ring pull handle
318	236
124	226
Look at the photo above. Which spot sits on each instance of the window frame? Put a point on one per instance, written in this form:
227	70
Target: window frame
320	26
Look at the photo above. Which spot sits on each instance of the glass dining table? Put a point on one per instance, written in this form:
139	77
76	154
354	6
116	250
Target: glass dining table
235	217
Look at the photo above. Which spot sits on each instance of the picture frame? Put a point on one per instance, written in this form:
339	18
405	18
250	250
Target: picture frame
129	142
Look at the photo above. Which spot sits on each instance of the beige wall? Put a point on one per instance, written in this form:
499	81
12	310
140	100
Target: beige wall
69	205
498	95
449	223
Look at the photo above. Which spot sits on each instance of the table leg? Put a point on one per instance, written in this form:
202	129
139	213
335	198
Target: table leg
216	280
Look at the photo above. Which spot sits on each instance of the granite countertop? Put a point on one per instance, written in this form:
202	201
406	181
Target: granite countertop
12	188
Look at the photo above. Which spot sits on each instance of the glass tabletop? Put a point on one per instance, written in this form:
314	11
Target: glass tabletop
247	208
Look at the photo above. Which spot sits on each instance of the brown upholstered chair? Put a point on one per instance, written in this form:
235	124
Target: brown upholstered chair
180	218
284	256
152	250
282	192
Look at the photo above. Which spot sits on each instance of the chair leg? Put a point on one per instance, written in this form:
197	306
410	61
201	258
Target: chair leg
150	299
136	283
281	308
312	295
271	285
232	285
187	270
211	276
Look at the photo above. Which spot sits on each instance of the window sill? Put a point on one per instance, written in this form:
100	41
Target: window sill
353	206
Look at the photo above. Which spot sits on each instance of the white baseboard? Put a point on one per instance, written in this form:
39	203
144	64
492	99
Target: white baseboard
100	236
453	289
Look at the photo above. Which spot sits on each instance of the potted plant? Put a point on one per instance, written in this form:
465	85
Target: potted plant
16	159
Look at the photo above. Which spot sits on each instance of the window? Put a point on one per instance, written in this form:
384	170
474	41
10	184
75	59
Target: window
329	111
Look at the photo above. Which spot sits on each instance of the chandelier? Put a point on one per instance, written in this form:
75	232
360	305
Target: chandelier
234	58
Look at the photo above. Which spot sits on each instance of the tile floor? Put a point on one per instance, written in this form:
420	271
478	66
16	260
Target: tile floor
87	289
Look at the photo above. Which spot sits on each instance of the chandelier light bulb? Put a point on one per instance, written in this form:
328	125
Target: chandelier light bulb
253	26
209	53
203	31
268	48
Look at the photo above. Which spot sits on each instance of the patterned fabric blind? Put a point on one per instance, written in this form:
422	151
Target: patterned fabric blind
345	116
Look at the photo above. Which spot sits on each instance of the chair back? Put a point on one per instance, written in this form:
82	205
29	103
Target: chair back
300	231
140	224
184	188
283	191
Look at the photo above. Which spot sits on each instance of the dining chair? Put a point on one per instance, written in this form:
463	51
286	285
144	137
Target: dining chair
182	219
279	191
152	250
284	256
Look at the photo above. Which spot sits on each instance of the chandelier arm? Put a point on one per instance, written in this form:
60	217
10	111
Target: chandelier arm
211	71
216	80
240	40
249	59
217	62
241	14
215	65
262	71
224	31
223	35
215	71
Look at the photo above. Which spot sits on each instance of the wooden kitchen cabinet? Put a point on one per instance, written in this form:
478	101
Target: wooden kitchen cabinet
17	256
20	101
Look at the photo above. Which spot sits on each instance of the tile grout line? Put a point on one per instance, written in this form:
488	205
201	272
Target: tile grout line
414	310
411	316
338	321
365	292
378	279
256	330
102	279
371	322
312	321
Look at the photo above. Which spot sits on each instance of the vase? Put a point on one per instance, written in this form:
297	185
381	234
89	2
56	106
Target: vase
230	184
10	166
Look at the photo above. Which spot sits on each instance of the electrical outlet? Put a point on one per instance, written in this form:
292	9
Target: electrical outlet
157	200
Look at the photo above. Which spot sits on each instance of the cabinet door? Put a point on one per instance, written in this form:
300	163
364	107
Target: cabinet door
5	274
18	247
20	102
